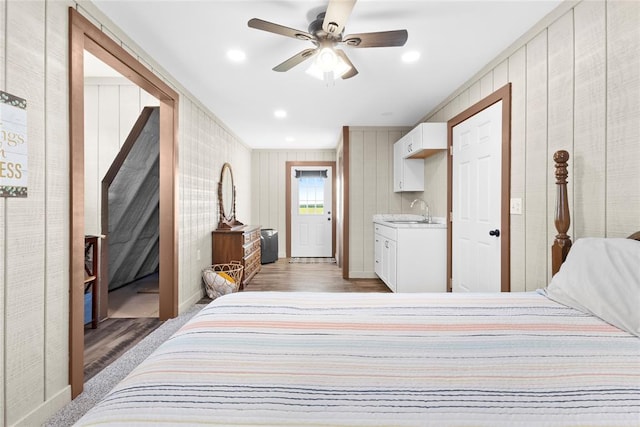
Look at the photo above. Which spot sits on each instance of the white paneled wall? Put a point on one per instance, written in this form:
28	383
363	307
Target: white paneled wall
111	108
371	191
34	231
575	86
269	187
24	222
204	147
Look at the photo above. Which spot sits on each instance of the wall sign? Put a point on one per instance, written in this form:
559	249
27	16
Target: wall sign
13	146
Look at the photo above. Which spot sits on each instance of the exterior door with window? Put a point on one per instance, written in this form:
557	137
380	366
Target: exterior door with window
311	226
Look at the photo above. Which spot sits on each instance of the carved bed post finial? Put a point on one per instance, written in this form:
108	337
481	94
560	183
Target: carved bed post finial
562	242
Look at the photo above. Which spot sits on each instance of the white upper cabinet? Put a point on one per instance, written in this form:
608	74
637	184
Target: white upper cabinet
425	139
408	174
410	150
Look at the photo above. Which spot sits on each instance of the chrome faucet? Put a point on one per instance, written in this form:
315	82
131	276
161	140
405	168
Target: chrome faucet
427	215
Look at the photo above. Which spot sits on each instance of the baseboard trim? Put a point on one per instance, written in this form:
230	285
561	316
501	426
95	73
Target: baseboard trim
190	302
362	275
46	410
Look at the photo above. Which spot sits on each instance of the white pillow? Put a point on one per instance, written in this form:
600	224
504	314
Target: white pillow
602	277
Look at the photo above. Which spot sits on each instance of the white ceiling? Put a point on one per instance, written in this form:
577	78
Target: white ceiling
190	39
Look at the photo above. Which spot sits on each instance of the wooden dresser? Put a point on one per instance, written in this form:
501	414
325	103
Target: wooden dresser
240	243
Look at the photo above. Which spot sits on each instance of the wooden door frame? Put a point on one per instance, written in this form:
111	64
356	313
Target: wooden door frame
292	164
503	94
345	202
83	35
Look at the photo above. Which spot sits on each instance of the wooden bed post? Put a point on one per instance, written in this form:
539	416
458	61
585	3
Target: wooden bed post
562	242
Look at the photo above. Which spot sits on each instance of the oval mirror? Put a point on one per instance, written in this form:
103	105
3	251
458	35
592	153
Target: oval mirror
227	198
226	178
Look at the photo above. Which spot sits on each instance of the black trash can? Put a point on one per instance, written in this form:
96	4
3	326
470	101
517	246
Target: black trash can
269	245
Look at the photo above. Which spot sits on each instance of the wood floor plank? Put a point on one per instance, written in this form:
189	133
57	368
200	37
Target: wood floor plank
112	339
321	277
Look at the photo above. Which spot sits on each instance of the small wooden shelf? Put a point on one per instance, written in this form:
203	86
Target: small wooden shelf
92	274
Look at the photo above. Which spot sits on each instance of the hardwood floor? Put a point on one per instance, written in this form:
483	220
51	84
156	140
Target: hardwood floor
115	336
284	276
112	339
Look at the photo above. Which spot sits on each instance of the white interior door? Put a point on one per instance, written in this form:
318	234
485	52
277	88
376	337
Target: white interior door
477	168
311	195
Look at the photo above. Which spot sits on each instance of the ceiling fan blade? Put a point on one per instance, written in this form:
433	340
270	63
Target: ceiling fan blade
379	39
336	17
270	27
296	59
352	71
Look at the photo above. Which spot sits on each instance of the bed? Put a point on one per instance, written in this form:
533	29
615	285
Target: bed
565	355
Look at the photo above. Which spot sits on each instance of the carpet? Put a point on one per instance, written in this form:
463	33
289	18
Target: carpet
98	386
307	260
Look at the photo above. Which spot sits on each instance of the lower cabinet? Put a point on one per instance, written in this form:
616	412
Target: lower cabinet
385	256
238	244
411	259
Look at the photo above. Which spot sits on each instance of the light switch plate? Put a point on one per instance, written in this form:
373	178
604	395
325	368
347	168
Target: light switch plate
516	206
198	255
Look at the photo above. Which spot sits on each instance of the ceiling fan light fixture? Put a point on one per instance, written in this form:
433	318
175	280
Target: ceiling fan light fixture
328	65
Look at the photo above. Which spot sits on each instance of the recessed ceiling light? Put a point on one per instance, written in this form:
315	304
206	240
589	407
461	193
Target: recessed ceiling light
289	139
411	56
280	114
236	55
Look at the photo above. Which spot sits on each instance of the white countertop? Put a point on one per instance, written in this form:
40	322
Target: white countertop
387	220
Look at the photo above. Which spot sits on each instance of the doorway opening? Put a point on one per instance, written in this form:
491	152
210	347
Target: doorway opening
121	214
121	189
85	36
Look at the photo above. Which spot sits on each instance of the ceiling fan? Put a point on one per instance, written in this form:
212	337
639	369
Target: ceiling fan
326	33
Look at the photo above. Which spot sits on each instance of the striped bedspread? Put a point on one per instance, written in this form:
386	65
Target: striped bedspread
312	359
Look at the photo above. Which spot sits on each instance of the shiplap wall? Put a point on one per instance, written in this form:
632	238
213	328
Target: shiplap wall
269	187
575	86
371	191
111	108
34	244
34	232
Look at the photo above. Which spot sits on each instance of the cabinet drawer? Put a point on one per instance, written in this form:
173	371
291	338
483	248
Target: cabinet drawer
251	236
251	264
251	248
384	231
247	250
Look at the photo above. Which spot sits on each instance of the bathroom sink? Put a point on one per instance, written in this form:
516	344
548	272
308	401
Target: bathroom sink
405	221
415	221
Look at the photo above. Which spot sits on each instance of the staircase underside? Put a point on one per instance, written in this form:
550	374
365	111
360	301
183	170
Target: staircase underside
133	211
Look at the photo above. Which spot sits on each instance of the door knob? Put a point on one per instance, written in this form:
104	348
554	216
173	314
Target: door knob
495	232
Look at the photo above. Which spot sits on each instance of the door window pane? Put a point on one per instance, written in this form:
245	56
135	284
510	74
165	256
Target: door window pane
311	195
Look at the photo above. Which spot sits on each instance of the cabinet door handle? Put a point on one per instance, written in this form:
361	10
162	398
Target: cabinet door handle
386	243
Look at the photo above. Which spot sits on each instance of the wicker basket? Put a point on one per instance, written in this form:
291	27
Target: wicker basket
222	279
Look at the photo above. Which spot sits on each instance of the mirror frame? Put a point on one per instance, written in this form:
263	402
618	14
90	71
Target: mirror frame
226	219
